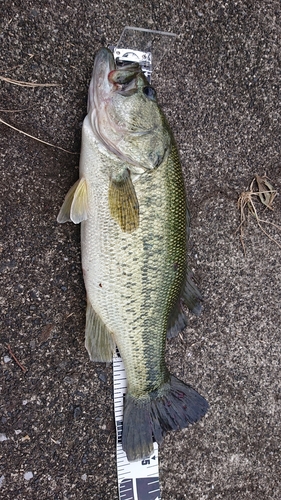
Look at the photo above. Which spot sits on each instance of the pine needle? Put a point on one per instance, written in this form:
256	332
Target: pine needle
13	110
28	84
36	138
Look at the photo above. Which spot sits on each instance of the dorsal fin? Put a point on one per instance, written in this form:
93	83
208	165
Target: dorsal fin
191	298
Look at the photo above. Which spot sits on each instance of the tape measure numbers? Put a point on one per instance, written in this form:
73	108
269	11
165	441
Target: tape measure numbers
136	480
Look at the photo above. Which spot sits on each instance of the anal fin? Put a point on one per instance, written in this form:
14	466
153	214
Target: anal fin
98	339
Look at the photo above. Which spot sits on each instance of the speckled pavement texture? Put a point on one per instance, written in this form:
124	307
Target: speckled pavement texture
220	90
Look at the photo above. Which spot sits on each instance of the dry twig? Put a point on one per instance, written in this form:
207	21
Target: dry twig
266	195
15	359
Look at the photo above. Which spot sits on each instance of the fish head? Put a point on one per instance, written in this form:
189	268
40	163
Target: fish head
124	114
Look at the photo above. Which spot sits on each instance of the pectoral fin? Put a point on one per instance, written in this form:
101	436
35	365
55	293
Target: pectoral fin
75	205
123	202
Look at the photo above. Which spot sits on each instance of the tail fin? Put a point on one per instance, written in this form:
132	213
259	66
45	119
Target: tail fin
174	406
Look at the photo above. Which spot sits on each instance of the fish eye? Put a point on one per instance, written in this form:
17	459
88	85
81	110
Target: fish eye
149	92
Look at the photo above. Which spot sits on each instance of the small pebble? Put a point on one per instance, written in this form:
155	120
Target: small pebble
7	359
3	437
102	377
84	477
28	475
68	380
2	481
77	412
25	438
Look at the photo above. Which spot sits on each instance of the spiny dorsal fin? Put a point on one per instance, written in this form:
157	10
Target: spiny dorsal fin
75	205
123	202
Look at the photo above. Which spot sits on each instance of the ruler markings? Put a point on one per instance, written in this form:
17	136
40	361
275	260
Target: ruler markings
143	480
136	480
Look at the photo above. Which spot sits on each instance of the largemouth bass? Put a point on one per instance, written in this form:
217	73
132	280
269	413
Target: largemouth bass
130	200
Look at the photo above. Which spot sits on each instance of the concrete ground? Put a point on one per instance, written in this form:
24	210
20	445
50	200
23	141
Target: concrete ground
220	90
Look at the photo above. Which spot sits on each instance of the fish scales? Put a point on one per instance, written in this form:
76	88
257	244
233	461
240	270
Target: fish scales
136	278
131	203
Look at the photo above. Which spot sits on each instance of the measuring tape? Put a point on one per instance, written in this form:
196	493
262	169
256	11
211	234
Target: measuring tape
136	480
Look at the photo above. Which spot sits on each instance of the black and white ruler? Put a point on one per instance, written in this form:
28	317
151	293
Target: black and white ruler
136	480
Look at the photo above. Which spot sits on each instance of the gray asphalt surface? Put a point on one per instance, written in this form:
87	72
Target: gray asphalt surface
220	90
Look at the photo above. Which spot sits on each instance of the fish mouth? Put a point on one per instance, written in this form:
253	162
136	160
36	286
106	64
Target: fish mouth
100	86
109	78
100	91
